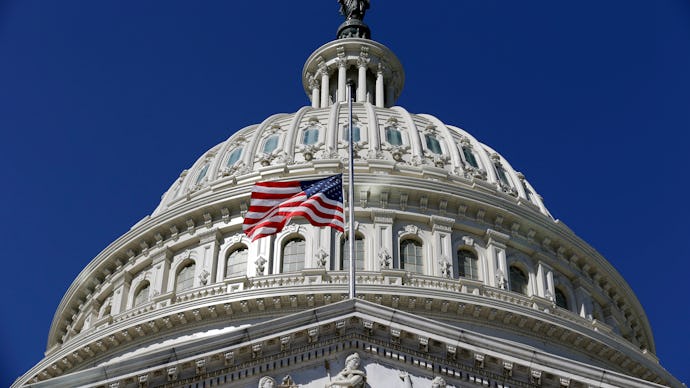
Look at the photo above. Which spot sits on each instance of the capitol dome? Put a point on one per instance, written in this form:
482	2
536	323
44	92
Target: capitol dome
463	276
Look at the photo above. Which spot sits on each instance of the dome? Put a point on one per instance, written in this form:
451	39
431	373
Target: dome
388	141
461	270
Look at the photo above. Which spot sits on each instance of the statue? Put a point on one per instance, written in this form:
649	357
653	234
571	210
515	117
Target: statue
501	281
446	269
353	9
385	258
267	382
321	257
438	382
350	376
260	265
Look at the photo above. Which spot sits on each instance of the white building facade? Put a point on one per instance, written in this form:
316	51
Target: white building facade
463	277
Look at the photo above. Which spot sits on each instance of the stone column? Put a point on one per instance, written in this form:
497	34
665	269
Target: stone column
161	270
380	100
362	64
545	288
584	302
441	228
342	79
325	85
390	91
208	264
497	272
315	92
121	284
383	239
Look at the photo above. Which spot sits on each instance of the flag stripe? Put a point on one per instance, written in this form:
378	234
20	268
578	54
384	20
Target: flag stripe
273	204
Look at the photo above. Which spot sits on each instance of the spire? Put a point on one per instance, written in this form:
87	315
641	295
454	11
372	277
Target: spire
353	26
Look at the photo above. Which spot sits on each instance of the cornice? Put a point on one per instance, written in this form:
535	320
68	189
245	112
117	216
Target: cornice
419	325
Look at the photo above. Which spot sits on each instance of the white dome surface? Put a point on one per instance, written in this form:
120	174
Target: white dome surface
314	140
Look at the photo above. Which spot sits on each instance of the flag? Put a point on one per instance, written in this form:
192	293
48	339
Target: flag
274	203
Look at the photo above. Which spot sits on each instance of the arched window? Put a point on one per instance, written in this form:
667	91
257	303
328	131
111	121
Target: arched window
293	255
202	173
359	253
469	157
310	136
236	262
185	277
234	157
468	264
355	134
270	144
518	280
142	295
433	144
393	136
411	257
561	300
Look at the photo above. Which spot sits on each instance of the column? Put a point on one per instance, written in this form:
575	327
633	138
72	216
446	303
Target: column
383	240
315	92
379	88
390	91
325	86
441	229
210	245
497	271
342	79
121	290
362	64
545	288
161	270
584	302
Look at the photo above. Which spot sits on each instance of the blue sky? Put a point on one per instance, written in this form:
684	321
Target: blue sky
104	103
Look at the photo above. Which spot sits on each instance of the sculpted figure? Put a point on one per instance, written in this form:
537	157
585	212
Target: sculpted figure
353	9
384	258
350	376
438	382
267	382
446	269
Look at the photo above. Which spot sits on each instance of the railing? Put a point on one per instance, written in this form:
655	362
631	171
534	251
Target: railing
337	281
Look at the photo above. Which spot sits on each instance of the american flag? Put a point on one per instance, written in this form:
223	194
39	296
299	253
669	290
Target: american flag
274	203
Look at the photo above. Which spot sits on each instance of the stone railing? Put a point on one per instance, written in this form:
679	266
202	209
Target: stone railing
337	281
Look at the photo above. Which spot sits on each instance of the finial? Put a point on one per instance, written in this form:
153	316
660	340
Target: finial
353	9
353	27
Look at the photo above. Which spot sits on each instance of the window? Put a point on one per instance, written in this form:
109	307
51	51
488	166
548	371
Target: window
234	157
469	157
355	134
411	256
467	264
310	136
359	253
142	295
185	277
236	262
270	144
502	174
293	255
433	144
561	300
393	136
518	280
202	173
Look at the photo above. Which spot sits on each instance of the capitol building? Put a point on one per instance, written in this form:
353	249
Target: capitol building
463	277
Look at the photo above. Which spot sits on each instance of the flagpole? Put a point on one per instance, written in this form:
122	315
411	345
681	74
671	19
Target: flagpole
351	193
